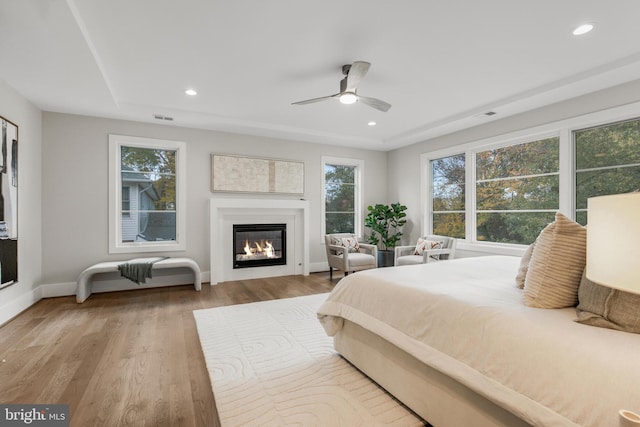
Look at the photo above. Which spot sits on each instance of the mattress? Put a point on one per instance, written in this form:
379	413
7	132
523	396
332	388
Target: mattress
465	318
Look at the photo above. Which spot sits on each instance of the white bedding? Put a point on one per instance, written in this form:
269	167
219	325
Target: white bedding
466	318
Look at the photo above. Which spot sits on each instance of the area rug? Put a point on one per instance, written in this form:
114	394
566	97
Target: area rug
271	364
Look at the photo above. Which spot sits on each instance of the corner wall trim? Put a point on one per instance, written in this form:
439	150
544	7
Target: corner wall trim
18	305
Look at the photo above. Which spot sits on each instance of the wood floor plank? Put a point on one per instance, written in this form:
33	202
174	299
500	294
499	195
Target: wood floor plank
129	358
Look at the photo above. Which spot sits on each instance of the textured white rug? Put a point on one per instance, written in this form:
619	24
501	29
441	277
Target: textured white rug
271	364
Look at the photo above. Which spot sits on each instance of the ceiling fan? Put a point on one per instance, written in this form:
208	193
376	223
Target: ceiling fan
348	88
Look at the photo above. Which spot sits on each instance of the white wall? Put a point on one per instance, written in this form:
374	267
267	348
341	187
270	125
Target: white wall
404	163
17	109
63	187
75	186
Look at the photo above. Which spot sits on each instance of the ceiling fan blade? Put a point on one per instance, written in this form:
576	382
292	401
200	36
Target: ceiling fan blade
311	101
375	103
356	73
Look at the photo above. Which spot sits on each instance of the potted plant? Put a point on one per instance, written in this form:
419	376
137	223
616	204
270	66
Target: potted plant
385	222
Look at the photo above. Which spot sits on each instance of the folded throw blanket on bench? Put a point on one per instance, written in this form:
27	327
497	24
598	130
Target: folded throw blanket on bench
138	270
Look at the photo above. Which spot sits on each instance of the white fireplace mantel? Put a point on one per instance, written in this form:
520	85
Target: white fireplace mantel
225	211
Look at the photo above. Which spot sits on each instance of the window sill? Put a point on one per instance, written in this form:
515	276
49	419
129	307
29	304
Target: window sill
492	248
130	248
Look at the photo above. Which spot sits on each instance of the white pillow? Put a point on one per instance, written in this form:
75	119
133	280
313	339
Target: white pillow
350	243
425	245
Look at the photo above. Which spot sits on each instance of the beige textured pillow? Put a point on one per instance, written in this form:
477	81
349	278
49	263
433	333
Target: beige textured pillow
524	266
350	243
556	266
608	308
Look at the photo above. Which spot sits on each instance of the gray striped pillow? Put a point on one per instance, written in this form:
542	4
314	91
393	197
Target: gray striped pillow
608	308
556	265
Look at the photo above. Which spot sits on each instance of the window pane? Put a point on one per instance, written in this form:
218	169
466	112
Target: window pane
610	145
607	162
517	179
512	227
540	192
340	198
604	182
155	226
149	175
448	183
531	158
339	174
148	160
449	224
339	223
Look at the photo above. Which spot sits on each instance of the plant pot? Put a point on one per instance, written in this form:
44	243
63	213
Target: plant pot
385	258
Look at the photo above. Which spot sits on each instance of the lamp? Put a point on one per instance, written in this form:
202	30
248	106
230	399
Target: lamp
613	241
613	252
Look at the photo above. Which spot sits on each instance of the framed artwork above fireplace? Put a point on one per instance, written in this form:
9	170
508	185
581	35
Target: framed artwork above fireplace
239	174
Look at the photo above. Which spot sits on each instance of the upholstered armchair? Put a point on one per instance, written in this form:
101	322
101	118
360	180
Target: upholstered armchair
432	248
345	253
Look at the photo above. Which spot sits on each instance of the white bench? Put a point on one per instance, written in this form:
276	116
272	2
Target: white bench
83	290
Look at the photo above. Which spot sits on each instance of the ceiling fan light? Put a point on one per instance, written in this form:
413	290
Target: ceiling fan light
348	98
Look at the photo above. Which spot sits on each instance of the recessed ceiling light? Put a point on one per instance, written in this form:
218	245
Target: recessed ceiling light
372	123
582	29
191	92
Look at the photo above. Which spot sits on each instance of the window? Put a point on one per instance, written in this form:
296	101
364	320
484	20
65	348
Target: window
147	193
341	189
514	188
126	201
515	183
517	191
607	162
448	201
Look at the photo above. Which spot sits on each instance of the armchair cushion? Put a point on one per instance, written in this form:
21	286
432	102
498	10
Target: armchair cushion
357	260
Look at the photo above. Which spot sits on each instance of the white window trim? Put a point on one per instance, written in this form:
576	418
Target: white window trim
358	220
563	129
115	195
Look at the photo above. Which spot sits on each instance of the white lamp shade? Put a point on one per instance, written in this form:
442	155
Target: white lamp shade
613	241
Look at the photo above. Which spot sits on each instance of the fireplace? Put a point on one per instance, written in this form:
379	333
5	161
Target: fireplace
225	212
259	245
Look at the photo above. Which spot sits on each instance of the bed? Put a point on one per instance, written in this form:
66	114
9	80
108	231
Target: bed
455	343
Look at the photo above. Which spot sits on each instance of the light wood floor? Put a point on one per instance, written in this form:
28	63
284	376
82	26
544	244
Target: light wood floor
127	358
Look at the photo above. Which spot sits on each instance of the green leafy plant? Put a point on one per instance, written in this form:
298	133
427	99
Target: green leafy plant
385	222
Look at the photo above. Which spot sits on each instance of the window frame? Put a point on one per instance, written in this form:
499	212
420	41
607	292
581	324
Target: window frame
563	129
473	181
428	173
116	245
576	171
358	208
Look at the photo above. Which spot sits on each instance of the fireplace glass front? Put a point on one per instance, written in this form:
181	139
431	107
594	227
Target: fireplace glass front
259	245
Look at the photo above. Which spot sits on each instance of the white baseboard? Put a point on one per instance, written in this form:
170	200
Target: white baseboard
16	306
318	267
53	290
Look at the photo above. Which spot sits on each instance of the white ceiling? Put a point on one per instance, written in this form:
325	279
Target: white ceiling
441	64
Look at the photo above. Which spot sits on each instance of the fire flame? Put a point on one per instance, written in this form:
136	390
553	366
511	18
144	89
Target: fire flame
262	247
